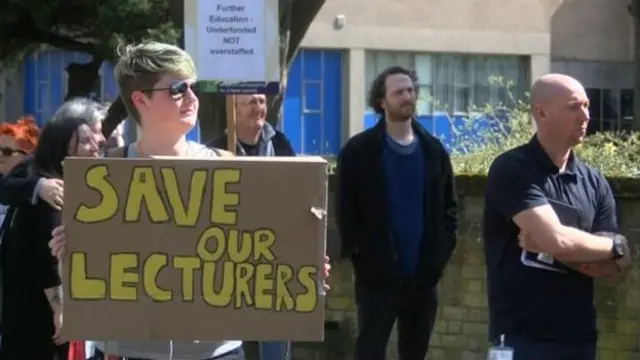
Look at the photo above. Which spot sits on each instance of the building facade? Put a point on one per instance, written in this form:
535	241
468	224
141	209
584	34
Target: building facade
455	45
458	48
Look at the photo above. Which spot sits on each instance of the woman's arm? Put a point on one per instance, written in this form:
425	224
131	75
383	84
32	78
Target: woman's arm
54	295
17	187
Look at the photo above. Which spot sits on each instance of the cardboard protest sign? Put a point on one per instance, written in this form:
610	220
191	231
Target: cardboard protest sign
184	249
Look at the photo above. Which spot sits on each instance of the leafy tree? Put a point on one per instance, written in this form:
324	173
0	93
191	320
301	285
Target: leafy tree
94	27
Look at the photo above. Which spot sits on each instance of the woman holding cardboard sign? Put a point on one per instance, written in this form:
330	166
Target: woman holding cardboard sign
32	296
157	83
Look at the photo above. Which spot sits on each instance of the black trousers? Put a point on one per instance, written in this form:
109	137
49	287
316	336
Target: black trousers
415	310
30	339
13	349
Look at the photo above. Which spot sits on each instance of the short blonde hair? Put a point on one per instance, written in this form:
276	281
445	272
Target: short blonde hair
141	66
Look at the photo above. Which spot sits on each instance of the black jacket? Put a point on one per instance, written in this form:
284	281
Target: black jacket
27	269
16	186
361	209
281	145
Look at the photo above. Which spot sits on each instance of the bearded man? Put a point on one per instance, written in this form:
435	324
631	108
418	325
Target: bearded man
397	215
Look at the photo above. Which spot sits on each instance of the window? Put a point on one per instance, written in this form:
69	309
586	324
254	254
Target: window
626	109
456	83
595	110
608	85
610	109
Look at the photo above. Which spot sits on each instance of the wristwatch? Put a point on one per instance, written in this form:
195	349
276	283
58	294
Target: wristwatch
617	248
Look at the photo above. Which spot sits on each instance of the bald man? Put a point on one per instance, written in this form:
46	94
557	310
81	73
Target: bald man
256	137
549	228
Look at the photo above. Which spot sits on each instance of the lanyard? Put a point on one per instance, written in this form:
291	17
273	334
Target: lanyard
500	352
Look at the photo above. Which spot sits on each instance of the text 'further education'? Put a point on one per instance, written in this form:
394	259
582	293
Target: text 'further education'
234	26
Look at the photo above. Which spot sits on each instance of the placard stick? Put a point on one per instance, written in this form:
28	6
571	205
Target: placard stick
230	103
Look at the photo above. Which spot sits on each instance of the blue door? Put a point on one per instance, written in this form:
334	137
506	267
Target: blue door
312	106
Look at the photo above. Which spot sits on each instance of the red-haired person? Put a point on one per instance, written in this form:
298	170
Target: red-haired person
17	140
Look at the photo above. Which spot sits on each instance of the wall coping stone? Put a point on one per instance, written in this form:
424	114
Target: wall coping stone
473	185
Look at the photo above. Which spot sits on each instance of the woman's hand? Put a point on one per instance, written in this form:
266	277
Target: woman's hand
57	328
52	192
58	242
327	269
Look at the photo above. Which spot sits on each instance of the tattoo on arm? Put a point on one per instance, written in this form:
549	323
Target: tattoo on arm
54	295
56	298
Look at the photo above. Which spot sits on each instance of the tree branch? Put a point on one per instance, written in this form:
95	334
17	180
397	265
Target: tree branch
275	101
285	37
63	42
292	31
306	11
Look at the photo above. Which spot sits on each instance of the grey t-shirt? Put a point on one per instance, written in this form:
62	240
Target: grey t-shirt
173	350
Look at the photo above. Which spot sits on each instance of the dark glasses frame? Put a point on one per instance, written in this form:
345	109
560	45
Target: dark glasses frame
9	151
178	88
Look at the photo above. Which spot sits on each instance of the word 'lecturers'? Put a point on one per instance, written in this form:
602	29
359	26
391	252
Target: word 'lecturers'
235	268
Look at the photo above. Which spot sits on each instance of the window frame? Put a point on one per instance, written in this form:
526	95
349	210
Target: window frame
426	107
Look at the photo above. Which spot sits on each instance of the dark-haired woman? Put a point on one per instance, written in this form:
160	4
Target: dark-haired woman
32	296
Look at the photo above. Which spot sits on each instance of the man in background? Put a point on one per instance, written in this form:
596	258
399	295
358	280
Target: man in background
396	210
549	228
256	137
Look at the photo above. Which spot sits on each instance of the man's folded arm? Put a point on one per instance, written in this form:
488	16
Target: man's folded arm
563	243
515	195
605	223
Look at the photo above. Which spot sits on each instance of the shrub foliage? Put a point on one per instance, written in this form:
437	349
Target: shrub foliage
615	154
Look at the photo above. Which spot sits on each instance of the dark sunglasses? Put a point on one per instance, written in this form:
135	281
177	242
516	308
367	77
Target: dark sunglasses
8	151
178	88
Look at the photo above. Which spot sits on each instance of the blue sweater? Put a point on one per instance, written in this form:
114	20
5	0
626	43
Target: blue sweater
405	178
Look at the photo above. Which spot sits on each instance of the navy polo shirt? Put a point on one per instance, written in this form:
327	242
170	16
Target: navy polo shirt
531	301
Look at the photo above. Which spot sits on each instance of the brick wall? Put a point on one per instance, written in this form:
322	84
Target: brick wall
461	329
